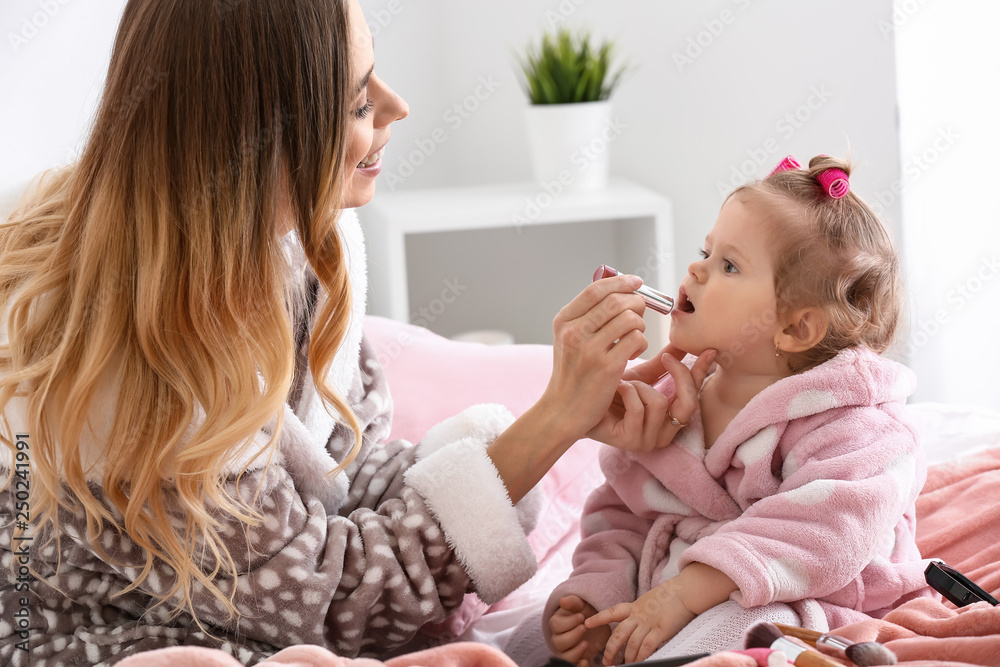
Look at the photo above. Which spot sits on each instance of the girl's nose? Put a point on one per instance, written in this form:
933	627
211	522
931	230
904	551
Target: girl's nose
697	269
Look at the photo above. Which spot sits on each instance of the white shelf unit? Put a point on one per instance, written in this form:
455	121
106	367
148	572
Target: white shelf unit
522	252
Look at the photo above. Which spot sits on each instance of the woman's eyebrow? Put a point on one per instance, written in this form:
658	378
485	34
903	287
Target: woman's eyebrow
364	81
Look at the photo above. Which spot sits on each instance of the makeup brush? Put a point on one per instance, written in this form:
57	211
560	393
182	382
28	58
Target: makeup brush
767	635
869	654
862	654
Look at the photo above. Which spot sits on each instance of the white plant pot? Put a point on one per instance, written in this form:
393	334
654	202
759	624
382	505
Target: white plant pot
571	143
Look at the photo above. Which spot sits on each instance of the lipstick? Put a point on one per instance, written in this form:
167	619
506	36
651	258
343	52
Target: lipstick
655	299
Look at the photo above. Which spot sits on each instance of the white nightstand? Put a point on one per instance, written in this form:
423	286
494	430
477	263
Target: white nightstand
509	256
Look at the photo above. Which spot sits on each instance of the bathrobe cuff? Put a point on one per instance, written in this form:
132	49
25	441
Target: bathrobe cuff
463	490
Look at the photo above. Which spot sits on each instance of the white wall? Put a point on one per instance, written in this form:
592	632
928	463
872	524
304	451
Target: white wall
53	60
715	85
689	126
949	59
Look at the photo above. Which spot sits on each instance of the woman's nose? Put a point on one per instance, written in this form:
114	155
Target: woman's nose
389	106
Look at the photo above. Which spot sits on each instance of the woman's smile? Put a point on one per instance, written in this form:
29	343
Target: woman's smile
372	164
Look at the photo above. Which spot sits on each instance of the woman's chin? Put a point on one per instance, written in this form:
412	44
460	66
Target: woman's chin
357	195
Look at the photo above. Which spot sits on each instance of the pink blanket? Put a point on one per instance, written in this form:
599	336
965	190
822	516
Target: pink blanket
462	654
958	520
958	517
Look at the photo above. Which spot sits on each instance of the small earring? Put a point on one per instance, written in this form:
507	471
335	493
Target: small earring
777	350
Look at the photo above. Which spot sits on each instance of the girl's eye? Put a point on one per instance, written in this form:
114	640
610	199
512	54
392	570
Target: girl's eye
729	267
702	253
363	112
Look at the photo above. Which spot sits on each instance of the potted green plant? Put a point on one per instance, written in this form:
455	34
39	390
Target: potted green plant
569	80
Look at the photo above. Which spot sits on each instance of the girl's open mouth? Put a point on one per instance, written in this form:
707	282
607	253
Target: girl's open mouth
684	304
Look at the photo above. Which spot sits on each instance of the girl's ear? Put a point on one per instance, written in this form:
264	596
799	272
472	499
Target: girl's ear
802	330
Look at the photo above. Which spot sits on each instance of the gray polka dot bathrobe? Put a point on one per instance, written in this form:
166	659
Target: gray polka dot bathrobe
356	563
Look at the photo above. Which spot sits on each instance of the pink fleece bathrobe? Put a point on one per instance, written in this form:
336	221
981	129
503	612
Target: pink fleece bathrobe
806	498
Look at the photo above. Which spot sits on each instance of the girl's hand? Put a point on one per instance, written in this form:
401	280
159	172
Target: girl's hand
641	418
594	337
571	639
643	625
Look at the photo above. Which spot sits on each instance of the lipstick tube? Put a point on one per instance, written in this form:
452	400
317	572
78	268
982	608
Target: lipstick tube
655	299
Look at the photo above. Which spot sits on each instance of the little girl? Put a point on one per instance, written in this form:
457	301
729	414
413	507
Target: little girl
786	475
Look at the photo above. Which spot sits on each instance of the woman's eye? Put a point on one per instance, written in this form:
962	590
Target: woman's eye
363	112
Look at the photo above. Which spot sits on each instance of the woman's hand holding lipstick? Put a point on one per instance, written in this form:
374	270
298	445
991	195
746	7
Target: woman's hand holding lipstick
655	299
594	338
640	418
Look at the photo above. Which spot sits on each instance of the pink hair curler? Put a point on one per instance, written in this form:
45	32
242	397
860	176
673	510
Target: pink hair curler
788	163
835	182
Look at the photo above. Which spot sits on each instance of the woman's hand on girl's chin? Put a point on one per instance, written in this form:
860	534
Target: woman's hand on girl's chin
653	370
594	338
640	418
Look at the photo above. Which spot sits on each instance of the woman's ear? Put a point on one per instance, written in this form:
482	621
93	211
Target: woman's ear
802	329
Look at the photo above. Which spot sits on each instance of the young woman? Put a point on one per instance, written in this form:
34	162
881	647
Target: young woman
193	426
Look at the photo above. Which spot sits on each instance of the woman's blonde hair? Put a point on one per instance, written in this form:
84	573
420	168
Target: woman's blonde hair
154	265
831	253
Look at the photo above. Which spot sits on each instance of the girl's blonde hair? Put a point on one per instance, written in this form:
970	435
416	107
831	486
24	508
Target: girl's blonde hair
154	265
831	253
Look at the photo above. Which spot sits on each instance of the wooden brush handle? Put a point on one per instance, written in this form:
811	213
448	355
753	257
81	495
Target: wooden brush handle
801	656
808	636
813	659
